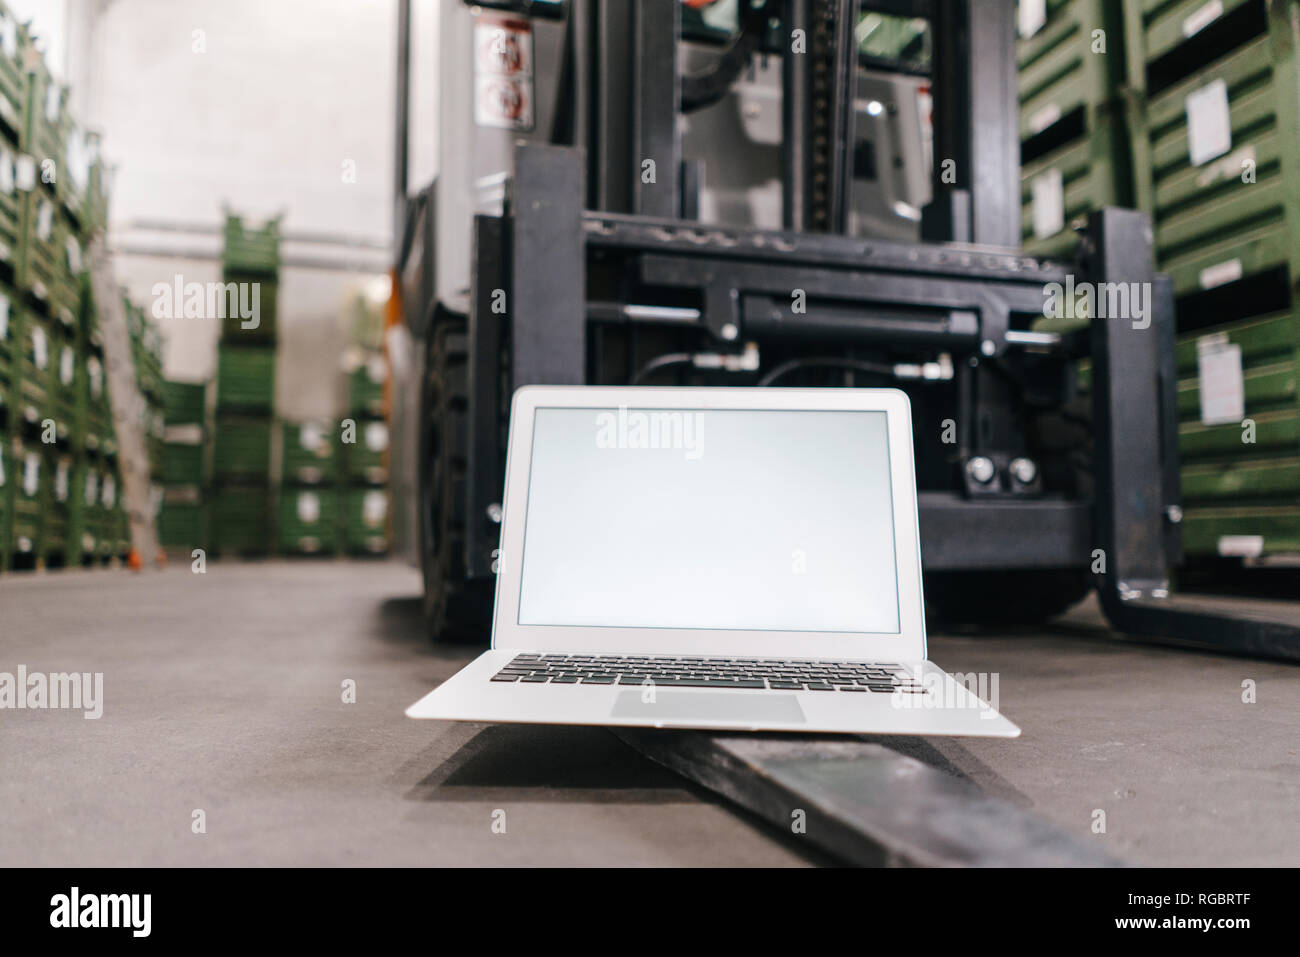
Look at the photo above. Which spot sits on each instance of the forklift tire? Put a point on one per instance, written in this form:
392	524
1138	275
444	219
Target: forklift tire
1011	597
456	609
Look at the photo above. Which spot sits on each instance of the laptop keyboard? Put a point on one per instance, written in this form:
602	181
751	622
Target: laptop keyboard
689	672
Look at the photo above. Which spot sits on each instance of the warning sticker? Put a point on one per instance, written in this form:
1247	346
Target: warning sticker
503	73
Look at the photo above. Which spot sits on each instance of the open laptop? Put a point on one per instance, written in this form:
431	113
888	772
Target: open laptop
740	559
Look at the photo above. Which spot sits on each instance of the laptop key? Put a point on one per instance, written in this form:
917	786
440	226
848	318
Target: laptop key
505	677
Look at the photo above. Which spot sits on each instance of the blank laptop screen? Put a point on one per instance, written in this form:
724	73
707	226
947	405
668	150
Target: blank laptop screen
767	520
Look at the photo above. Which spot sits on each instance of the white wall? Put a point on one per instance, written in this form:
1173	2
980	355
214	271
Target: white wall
260	110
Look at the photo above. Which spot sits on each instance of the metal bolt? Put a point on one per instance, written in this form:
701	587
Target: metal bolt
1024	470
729	331
1174	513
987	347
981	469
494	513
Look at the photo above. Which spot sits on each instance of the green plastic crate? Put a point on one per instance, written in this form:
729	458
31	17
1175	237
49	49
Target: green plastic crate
241	448
51	258
1212	225
257	297
365	521
183	463
240	520
182	520
365	460
366	384
309	521
1233	488
185	402
27	502
249	249
14	77
245	379
309	454
1074	122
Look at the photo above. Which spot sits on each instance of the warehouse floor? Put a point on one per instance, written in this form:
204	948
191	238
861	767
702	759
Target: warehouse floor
223	694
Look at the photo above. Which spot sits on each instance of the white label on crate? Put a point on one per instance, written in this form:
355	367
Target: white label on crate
376	368
1241	546
40	348
308	508
8	35
1230	167
45	220
74	254
376	436
1202	18
1032	15
1044	118
96	372
108	492
374	508
1048	189
92	487
503	73
61	481
53	100
31	474
25	173
1219	377
1209	125
67	365
4	316
2	466
7	183
311	436
1220	273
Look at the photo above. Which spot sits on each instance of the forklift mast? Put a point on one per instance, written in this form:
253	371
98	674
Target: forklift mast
564	242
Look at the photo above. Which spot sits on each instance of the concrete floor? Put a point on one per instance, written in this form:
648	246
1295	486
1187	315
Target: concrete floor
223	694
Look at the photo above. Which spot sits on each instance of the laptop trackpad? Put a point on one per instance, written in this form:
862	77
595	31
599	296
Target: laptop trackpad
703	706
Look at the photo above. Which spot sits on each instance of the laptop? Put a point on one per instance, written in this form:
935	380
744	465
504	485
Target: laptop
713	558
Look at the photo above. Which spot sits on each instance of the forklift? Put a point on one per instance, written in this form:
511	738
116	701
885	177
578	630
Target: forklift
757	193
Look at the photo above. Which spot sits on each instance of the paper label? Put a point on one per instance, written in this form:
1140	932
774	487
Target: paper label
4	316
1044	118
8	35
92	487
1049	203
308	508
374	508
45	220
67	365
25	173
376	436
40	348
31	474
1209	126
311	436
1241	546
109	490
1031	16
61	481
7	183
1222	385
1202	18
1220	273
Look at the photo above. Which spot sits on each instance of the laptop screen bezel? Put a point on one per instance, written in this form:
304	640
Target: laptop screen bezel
908	644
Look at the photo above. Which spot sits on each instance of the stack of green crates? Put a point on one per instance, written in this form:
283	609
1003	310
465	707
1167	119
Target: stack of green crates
241	513
309	501
59	469
182	518
1074	110
365	458
1219	166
